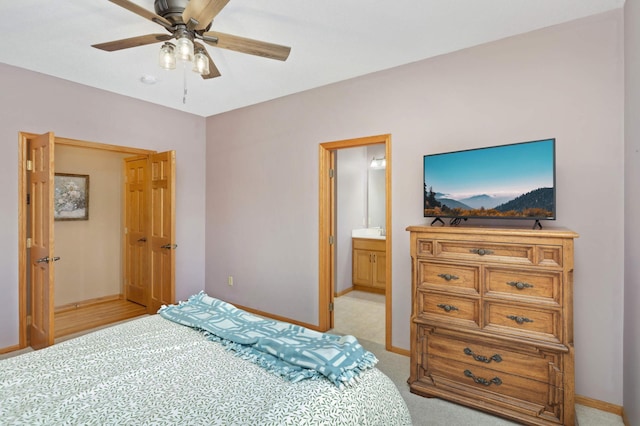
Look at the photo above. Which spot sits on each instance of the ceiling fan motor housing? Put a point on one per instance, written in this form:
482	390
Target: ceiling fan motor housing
171	10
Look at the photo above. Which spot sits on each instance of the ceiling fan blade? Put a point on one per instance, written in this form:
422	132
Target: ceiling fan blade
202	11
247	45
213	70
138	10
126	43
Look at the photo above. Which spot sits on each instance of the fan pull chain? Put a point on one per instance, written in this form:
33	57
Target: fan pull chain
184	94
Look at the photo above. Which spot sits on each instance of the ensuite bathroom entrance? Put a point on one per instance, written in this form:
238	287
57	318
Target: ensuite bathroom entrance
355	237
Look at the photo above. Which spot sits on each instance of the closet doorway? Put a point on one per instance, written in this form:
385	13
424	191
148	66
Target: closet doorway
37	246
328	228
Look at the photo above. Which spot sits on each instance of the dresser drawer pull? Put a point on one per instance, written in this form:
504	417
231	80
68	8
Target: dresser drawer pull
495	381
481	252
482	358
448	277
519	285
447	308
519	320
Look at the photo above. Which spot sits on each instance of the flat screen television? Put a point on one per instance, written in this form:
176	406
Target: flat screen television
515	181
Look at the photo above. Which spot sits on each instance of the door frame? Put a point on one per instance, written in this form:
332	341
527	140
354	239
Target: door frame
327	221
23	142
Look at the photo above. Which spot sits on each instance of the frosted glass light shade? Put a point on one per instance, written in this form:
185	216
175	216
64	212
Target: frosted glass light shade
201	63
184	49
378	163
167	56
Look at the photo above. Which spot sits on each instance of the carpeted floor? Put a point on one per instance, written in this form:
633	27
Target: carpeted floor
362	315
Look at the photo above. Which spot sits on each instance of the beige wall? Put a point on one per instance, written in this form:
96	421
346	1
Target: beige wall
632	214
564	81
90	250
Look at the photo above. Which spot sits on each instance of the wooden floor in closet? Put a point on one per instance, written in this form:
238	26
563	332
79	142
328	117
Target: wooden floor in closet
84	318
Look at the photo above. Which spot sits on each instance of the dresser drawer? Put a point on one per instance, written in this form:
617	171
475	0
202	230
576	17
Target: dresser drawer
532	286
463	311
523	321
521	254
482	384
447	277
529	362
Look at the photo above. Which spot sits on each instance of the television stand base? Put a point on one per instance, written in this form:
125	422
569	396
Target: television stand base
537	224
437	219
455	221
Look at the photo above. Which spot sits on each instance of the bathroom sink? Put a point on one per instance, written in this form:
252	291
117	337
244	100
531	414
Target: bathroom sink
373	233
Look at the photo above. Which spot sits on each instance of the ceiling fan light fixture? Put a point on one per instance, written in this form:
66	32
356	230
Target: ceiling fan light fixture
167	57
189	23
184	48
200	62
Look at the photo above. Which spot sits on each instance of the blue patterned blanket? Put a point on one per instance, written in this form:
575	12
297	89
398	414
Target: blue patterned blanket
289	350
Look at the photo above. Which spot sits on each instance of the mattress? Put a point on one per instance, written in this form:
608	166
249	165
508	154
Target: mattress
152	371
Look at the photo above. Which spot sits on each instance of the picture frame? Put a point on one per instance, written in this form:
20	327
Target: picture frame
71	197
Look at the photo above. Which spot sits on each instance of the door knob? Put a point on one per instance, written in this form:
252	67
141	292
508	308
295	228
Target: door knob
169	246
48	259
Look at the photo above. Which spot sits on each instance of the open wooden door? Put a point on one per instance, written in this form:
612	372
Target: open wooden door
150	230
332	232
163	259
41	246
136	258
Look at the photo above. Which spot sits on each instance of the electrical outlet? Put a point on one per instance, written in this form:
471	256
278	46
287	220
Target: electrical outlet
230	280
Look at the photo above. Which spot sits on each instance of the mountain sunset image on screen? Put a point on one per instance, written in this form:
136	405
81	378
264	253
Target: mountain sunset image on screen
506	181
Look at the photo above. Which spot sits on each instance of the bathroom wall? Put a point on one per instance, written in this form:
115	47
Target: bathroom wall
351	205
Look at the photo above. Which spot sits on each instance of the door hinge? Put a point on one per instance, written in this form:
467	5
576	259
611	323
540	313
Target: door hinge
28	199
332	173
28	242
331	240
331	307
29	165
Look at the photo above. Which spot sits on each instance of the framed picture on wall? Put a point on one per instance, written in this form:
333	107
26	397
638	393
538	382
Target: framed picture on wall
71	197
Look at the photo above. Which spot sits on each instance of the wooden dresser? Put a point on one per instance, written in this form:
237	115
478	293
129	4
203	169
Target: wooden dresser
492	320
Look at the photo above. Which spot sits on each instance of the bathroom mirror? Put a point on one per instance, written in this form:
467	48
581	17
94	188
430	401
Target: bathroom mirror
376	172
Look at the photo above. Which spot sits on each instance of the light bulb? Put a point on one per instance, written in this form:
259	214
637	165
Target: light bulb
184	49
201	63
167	57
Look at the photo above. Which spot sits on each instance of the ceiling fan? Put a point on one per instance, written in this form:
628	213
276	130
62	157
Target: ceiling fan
188	21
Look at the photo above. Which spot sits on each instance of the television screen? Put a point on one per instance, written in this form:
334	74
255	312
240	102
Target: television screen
514	181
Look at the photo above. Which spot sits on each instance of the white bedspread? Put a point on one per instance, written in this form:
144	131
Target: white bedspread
151	371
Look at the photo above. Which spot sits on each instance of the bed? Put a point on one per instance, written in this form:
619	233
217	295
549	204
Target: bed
153	370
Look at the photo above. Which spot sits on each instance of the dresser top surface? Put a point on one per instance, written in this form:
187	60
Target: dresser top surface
494	230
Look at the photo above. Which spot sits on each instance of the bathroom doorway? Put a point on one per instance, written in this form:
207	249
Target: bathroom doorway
339	159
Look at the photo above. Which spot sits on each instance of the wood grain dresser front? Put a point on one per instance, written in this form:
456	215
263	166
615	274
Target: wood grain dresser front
492	320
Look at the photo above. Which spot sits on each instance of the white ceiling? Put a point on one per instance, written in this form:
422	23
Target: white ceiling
331	40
